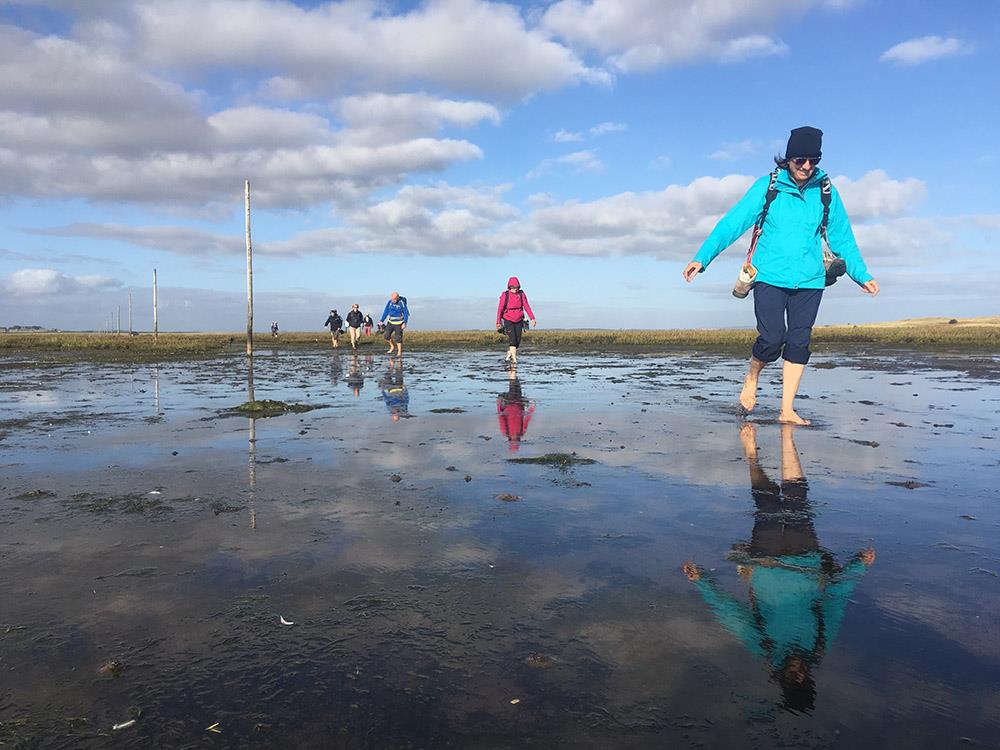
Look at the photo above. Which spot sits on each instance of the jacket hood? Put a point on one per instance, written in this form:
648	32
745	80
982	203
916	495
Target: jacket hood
512	281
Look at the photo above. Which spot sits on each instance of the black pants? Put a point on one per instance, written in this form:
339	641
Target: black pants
513	331
776	338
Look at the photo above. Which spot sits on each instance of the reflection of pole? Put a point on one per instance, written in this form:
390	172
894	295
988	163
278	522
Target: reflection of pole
252	469
249	300
129	312
156	331
156	388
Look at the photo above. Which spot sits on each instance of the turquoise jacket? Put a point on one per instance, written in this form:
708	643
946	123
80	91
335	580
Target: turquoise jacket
789	252
795	607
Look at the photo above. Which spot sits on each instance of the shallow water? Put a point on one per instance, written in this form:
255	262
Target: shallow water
444	596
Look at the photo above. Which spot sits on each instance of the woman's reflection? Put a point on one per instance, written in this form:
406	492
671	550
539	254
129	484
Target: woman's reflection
797	593
394	393
514	412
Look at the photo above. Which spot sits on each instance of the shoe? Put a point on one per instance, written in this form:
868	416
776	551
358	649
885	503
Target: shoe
745	281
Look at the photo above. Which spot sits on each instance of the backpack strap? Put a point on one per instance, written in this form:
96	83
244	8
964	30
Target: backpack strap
758	227
826	195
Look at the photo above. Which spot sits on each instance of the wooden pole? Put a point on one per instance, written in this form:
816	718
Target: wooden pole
250	392
156	330
119	331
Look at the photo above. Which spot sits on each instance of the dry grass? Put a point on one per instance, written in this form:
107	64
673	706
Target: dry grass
981	334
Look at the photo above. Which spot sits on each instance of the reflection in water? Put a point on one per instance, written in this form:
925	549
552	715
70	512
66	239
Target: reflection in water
797	593
514	412
156	389
252	470
355	376
394	392
336	368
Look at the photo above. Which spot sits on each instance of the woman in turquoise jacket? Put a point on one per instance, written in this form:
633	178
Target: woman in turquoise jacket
789	261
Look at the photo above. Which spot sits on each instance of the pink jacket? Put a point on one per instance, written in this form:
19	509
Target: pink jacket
517	304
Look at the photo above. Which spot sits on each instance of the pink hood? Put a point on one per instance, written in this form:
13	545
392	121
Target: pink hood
512	281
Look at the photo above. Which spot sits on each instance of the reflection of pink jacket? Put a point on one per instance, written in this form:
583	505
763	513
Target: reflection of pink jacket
517	304
513	419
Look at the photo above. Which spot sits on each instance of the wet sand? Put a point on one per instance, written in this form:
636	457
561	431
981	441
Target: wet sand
443	595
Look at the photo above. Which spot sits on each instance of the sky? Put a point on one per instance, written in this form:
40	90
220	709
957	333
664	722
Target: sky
436	147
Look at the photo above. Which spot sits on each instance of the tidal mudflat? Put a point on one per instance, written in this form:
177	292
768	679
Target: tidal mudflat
597	552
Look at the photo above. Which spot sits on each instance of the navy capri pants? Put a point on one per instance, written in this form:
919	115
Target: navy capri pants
776	338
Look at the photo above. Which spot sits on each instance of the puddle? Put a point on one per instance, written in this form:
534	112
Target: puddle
668	576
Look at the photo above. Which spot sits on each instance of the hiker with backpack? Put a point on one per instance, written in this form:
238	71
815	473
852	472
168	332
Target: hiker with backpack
335	322
793	211
395	316
368	324
354	320
512	312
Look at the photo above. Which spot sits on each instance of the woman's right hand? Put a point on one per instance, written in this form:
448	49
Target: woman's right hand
691	270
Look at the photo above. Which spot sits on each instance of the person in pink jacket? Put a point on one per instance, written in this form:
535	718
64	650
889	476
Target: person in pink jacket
511	314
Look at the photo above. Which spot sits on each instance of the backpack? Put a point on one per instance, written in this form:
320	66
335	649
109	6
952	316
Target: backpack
832	264
506	301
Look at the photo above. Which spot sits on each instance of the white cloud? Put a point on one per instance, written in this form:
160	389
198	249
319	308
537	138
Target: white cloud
877	196
580	161
661	162
467	46
608	127
566	136
733	151
177	240
37	282
924	49
672	33
385	118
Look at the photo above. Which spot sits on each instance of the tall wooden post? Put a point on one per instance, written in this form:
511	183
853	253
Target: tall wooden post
156	330
249	297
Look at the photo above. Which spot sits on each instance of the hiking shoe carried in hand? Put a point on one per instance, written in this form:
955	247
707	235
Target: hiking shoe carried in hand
745	281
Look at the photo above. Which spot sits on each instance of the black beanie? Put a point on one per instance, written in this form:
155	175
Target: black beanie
804	141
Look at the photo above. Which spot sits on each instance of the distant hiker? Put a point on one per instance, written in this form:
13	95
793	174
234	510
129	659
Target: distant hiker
511	314
793	211
394	393
796	592
395	316
514	412
336	323
354	321
274	330
368	324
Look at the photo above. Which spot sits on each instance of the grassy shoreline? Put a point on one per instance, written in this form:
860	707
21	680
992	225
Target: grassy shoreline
976	334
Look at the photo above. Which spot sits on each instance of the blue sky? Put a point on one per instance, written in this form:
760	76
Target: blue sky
587	146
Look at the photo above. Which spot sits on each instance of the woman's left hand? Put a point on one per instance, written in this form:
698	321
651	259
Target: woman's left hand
870	287
534	324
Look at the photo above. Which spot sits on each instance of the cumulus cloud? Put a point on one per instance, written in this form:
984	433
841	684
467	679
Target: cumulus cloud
338	45
671	33
38	282
875	195
386	118
567	136
608	127
176	239
924	49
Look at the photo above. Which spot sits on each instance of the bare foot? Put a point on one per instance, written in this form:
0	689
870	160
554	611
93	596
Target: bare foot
790	417
748	436
748	396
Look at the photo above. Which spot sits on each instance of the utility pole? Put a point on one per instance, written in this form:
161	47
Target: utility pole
156	331
119	320
249	298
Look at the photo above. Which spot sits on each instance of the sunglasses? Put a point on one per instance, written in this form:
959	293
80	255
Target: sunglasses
799	161
513	287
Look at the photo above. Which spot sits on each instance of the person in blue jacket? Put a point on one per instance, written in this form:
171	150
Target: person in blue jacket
789	261
797	594
395	316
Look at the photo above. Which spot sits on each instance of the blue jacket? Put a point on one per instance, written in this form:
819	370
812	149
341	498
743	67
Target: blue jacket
793	606
789	252
395	312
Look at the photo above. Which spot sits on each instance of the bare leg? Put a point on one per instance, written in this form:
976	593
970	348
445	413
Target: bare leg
513	354
399	349
748	396
791	376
